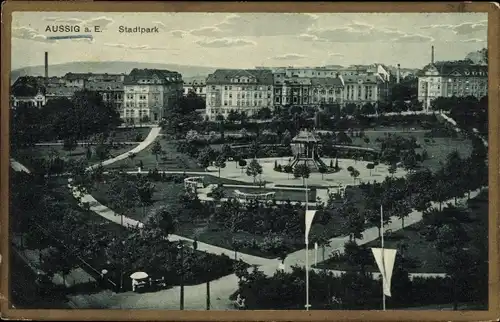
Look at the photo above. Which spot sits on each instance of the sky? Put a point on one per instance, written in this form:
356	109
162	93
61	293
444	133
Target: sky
246	40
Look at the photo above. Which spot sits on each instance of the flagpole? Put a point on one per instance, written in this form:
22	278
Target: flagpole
307	251
382	246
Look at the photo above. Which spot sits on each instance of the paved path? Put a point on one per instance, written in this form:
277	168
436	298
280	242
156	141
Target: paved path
153	134
225	286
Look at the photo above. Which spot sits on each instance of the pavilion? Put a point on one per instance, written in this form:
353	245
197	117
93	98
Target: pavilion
305	147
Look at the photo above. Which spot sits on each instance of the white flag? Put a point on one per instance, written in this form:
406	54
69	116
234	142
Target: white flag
385	262
309	219
316	246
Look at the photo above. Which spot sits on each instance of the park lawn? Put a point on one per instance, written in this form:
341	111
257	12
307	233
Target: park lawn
100	259
437	150
166	194
24	156
137	134
419	248
170	160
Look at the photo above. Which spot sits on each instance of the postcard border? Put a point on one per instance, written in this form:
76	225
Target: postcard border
313	7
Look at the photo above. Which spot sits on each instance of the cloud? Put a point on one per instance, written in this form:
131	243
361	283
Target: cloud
160	25
178	33
225	42
29	33
134	47
102	22
474	40
413	38
336	55
461	29
259	25
206	31
71	21
289	57
362	32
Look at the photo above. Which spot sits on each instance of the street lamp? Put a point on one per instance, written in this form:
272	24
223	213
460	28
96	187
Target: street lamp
181	248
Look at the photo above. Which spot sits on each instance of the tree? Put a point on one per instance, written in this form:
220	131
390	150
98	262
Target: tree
355	174
401	209
220	162
131	157
227	151
70	144
370	166
354	220
122	194
217	193
323	170
288	169
156	150
254	169
242	163
145	191
205	157
392	169
56	261
302	171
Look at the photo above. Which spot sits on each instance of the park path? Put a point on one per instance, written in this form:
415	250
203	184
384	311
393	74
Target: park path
222	288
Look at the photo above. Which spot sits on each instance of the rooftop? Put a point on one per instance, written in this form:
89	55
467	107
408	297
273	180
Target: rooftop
456	68
223	76
162	76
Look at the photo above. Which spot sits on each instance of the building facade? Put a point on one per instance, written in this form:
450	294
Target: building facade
80	79
362	89
149	93
447	79
111	92
307	91
197	86
244	91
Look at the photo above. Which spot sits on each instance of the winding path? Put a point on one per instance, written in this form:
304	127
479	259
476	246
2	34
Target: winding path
223	287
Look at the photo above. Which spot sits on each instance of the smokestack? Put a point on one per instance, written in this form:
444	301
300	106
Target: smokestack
432	55
398	74
46	66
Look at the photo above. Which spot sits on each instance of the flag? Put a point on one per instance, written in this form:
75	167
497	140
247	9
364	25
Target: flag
385	265
309	219
316	246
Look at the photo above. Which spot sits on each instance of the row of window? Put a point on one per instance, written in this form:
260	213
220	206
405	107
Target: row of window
243	95
247	103
136	112
139	104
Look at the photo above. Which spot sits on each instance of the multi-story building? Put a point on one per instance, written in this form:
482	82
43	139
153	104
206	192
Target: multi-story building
149	93
55	92
197	86
239	90
111	92
362	89
447	79
307	91
80	79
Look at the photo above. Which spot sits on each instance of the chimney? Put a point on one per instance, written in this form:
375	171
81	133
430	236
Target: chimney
398	74
46	66
432	55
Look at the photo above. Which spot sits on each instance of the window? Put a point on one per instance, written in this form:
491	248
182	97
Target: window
213	87
277	91
268	88
130	96
268	95
225	103
330	92
277	99
230	95
225	88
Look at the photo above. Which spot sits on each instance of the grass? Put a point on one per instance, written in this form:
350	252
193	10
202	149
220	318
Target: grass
169	160
166	195
437	151
130	135
25	156
423	251
98	262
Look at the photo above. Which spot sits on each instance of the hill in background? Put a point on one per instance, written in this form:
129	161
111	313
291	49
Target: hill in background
110	67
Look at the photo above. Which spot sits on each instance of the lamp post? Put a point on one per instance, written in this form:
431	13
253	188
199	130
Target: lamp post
181	248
